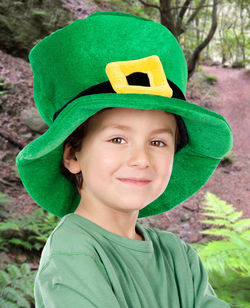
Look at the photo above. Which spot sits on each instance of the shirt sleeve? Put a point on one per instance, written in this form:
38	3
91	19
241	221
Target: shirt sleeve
204	294
73	280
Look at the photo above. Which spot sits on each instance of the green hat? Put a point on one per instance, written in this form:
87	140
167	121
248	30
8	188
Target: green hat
115	59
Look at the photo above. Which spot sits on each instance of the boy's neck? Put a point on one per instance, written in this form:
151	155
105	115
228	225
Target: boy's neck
137	236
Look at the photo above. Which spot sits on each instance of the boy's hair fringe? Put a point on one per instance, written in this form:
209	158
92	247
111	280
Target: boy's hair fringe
76	140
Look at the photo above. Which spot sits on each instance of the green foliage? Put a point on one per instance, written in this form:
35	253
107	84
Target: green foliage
231	43
24	23
202	81
134	7
226	260
4	86
211	79
4	199
16	286
40	13
201	90
240	63
30	232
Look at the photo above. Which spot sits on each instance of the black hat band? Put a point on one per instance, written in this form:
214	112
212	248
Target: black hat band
137	78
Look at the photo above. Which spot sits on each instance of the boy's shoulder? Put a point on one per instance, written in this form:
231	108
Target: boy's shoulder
170	241
67	238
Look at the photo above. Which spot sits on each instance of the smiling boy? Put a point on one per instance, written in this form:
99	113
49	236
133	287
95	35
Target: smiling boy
123	143
143	149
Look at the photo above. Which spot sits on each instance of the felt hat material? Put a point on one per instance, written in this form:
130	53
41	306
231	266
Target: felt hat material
83	68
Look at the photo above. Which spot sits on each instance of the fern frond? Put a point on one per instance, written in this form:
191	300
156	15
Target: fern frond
234	216
30	232
6	304
14	295
218	232
234	250
8	226
218	222
239	240
242	225
4	279
16	286
215	214
25	269
18	241
221	254
14	271
246	235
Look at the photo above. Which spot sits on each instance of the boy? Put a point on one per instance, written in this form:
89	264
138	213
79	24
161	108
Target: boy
123	143
106	166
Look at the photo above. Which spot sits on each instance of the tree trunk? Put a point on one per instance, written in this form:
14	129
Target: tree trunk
195	56
167	18
176	25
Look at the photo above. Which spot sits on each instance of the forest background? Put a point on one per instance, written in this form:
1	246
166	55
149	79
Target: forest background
214	35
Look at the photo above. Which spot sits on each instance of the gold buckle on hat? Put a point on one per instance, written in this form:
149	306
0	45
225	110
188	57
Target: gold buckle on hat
152	66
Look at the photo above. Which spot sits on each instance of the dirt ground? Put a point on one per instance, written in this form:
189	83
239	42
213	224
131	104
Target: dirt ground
230	183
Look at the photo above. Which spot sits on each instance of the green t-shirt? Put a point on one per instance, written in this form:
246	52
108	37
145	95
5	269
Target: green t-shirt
84	265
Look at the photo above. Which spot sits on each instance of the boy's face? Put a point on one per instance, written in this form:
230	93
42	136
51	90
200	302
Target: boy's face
109	154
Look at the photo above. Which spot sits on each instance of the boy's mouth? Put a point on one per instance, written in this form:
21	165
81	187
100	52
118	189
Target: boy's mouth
134	181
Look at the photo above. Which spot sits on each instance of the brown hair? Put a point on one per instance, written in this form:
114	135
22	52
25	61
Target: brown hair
76	140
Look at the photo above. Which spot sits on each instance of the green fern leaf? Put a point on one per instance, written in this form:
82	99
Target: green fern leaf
214	214
8	226
4	278
218	232
6	304
20	242
240	241
246	235
218	255
7	293
242	225
14	271
25	269
16	296
234	216
37	246
42	238
218	222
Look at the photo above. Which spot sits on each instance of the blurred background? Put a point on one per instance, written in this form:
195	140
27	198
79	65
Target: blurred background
214	35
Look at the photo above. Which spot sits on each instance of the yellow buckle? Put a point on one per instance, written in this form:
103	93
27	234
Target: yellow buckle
117	72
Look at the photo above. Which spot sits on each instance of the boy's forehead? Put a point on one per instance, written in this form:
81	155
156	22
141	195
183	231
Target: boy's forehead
164	129
126	118
120	113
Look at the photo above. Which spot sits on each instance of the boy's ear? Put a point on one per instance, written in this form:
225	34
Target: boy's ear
70	160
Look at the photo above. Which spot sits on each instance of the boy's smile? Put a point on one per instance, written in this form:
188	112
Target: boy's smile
134	181
126	161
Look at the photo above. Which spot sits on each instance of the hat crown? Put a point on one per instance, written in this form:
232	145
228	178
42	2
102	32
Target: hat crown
74	58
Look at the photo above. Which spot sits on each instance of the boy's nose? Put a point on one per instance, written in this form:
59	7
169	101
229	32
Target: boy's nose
139	156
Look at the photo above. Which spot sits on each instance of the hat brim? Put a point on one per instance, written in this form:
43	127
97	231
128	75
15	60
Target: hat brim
210	138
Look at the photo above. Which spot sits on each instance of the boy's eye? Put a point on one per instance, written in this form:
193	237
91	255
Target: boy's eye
159	141
117	138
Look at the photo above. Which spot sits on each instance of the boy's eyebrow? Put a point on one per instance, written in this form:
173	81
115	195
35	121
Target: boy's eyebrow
125	127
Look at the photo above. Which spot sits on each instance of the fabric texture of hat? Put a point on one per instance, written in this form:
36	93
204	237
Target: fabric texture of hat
102	61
